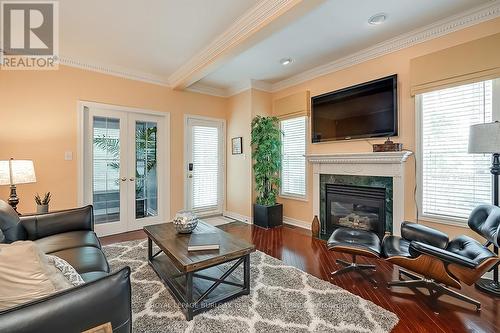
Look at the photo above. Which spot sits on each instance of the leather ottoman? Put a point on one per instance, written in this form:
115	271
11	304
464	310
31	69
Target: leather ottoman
355	242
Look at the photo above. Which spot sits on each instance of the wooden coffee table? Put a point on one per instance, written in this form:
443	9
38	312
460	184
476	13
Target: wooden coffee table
196	278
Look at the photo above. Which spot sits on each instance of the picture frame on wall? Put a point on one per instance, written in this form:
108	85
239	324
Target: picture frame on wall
237	145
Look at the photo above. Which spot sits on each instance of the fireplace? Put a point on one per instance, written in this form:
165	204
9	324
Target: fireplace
381	170
356	207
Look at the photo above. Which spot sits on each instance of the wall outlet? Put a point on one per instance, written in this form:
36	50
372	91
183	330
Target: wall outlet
68	156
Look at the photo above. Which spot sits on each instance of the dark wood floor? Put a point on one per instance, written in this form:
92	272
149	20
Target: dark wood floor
297	248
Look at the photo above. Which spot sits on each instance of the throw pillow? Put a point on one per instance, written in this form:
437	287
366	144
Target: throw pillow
23	276
66	269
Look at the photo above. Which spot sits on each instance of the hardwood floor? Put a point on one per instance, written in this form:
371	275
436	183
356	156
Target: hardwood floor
297	248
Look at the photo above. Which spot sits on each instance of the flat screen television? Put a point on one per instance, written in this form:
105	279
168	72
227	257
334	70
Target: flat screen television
366	110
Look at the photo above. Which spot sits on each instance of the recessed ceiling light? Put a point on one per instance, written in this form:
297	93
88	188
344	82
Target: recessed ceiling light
377	19
286	61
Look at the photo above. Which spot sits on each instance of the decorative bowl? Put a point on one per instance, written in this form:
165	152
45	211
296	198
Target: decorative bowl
185	221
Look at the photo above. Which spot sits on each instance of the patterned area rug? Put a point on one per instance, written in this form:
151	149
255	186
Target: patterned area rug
282	299
218	220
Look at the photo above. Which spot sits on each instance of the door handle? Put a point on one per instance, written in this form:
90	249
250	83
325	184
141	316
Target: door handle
123	179
132	179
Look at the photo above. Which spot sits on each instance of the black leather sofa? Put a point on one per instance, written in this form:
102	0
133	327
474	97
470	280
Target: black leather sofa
68	234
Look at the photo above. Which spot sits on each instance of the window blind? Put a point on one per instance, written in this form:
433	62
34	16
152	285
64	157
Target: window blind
205	167
293	169
106	169
454	181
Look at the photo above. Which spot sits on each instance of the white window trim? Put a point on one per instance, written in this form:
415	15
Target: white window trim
295	197
447	220
290	196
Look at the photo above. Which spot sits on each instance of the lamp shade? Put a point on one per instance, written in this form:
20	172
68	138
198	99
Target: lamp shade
484	138
13	172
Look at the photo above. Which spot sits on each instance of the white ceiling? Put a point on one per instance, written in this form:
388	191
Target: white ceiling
151	39
331	31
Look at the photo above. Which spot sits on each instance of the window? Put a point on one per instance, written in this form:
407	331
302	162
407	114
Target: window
293	168
452	181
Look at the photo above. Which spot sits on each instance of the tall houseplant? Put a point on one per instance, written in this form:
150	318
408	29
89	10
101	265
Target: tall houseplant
266	154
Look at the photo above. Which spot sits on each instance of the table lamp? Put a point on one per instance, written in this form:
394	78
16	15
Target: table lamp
14	172
485	139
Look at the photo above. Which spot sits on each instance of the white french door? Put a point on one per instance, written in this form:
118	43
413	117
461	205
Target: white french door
124	174
204	165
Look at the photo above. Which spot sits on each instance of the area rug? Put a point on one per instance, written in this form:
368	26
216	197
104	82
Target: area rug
218	220
283	299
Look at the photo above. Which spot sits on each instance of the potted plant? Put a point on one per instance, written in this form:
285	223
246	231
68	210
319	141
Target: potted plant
266	154
42	204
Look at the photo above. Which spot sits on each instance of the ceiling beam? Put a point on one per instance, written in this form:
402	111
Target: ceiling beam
253	26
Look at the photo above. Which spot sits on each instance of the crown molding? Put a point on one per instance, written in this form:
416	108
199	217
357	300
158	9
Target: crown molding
239	88
248	24
207	90
440	28
396	157
114	71
249	84
261	85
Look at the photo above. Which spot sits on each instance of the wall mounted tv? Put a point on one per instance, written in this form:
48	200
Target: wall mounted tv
367	110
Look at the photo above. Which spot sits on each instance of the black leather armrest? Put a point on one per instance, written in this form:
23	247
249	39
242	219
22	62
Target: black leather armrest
421	233
417	248
43	225
77	309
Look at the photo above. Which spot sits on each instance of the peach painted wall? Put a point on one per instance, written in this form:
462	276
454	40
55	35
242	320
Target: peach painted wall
38	115
242	108
239	167
262	103
399	63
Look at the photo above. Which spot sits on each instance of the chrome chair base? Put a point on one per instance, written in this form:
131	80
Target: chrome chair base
435	289
355	267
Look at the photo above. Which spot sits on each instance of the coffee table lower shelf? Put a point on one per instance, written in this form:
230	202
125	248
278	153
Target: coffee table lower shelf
200	290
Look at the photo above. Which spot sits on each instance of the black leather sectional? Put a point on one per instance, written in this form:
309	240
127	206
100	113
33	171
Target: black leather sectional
69	235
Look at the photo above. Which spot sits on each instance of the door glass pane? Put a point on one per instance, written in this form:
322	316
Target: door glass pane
106	169
146	181
205	167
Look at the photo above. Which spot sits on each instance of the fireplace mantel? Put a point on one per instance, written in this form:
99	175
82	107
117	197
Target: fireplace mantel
383	164
361	158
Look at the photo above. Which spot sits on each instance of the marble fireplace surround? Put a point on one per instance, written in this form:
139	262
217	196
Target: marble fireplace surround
384	164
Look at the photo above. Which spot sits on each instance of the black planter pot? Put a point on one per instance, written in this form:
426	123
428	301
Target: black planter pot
268	216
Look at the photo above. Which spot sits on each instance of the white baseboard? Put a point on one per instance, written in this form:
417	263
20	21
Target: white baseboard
297	223
286	220
239	217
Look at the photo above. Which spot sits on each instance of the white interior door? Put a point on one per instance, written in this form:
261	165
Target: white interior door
204	165
106	169
124	169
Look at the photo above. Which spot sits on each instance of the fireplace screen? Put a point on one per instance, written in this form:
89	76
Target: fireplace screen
355	207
